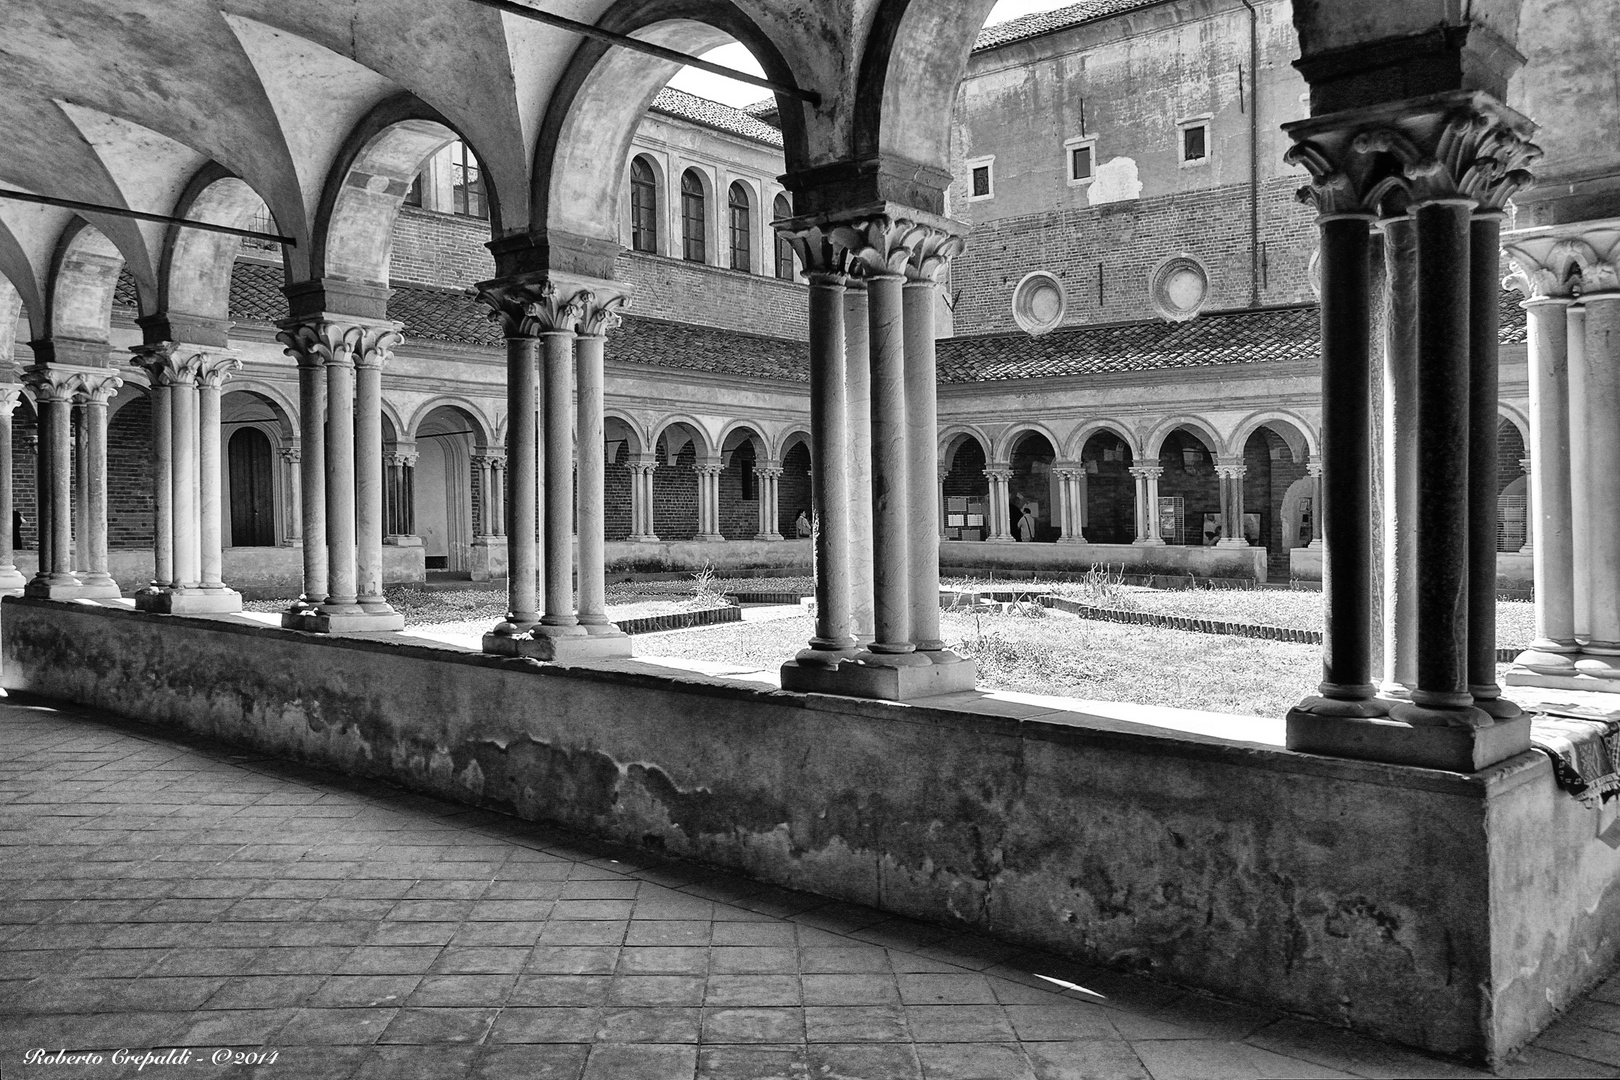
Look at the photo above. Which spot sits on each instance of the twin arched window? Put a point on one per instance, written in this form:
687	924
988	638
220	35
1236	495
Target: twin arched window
693	221
643	206
741	233
784	251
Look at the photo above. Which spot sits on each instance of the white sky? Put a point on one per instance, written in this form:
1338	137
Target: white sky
737	94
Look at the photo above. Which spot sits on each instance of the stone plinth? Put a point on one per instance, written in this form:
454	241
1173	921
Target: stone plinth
330	622
188	601
852	678
1455	749
560	650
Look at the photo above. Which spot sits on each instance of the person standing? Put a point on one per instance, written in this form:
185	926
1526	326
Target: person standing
1026	526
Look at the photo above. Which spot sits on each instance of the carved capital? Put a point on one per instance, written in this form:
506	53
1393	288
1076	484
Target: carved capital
526	309
1524	465
1313	468
60	383
880	246
401	461
931	254
708	468
597	318
998	472
1231	470
768	472
824	260
290	455
1462	145
96	388
1147	472
215	368
1564	261
170	362
9	397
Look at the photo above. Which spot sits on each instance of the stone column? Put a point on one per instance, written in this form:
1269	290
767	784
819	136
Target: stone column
1484	420
394	495
341	455
1139	475
830	485
1313	469
557	433
187	535
891	564
11	580
1529	545
525	310
944	471
930	256
157	371
1580	473
294	505
53	399
998	527
1399	457
767	476
81	490
487	495
1065	479
210	377
97	390
1231	475
1151	474
708	487
1602	377
378	348
641	499
858	398
497	487
597	318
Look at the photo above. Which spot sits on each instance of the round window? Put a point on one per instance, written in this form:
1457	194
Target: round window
1038	303
1179	288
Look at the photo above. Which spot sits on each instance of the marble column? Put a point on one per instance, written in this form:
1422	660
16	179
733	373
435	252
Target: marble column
999	529
641	499
11	580
1065	507
187	535
931	254
1580	482
488	496
210	525
1313	469
891	563
944	471
497	487
767	476
1399	423
53	399
1139	476
310	350
708	503
1529	545
525	311
1231	474
368	462
96	390
557	434
858	401
1601	361
597	318
1155	526
293	508
81	490
396	508
157	373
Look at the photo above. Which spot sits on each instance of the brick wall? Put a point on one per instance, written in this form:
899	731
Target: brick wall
793	489
1127	240
739	517
129	475
24	490
616	493
1197	485
447	250
675	514
1110	491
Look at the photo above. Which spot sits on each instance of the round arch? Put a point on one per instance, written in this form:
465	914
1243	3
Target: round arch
195	278
604	92
951	439
1198	428
695	432
735	428
1009	439
84	276
1290	427
618	421
1516	416
469	411
354	222
789	438
1076	444
283	405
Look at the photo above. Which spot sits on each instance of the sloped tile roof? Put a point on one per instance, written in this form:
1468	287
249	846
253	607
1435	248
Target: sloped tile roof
684	106
1045	22
1247	337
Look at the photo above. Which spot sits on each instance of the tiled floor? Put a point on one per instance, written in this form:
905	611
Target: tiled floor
158	891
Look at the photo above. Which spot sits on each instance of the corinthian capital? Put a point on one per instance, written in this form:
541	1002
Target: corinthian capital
169	362
531	308
338	341
9	397
880	246
818	253
98	388
62	383
932	253
1458	145
1562	261
598	317
216	368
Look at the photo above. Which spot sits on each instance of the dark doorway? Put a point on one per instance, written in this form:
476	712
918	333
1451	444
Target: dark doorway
253	512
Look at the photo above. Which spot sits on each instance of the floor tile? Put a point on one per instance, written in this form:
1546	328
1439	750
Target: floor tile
975	1061
743	1025
434	1026
621	1062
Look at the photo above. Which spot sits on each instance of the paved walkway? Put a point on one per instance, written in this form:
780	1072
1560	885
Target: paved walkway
160	891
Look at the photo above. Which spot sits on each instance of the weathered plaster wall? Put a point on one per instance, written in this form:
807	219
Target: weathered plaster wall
1403	902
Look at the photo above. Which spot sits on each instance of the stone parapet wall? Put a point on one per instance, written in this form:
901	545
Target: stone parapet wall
1168	560
1456	913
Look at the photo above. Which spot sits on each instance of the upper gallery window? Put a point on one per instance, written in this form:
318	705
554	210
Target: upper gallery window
981	178
1080	156
643	206
1195	141
781	208
467	182
741	231
692	217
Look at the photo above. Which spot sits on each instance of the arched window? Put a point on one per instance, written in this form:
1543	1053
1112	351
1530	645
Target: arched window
643	206
692	223
784	251
467	182
741	233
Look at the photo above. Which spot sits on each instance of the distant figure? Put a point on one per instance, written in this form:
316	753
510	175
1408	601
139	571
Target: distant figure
1026	526
801	525
17	523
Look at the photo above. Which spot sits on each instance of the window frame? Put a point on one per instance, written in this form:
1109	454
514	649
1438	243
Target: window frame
746	231
1086	142
647	187
988	164
699	194
785	255
1183	126
465	163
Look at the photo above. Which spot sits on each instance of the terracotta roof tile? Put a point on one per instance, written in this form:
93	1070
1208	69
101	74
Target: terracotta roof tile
684	106
1045	22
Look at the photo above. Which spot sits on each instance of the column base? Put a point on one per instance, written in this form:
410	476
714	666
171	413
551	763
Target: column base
99	587
1232	542
342	622
1548	658
538	645
768	536
1395	742
710	538
189	601
1072	540
853	678
402	540
1148	543
1582	671
12	581
52	587
642	538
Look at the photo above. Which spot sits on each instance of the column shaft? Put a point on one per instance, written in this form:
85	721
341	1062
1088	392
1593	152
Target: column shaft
342	573
590	510
187	541
1602	363
291	456
44	485
210	531
1552	555
81	493
858	399
559	451
1155	527
368	470
830	479
922	463
1400	457
312	475
9	578
94	450
1581	488
522	556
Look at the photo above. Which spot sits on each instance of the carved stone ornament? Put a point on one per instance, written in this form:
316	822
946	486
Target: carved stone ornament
1178	288
1382	160
1564	261
597	319
527	309
169	362
330	341
1038	303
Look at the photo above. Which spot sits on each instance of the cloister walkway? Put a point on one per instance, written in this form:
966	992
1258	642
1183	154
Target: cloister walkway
162	891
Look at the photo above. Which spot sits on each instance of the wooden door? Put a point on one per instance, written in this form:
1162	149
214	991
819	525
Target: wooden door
253	511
